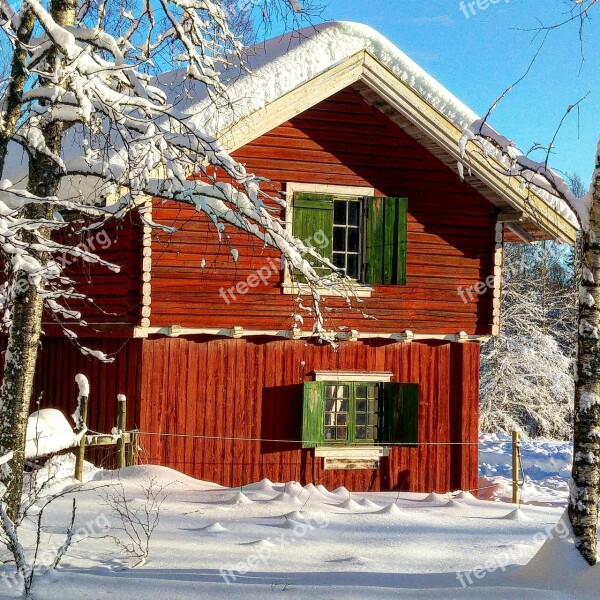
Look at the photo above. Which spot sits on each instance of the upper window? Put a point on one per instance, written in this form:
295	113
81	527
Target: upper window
366	237
354	413
347	235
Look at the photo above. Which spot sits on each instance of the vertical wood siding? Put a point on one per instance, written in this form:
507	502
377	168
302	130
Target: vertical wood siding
58	363
341	141
252	389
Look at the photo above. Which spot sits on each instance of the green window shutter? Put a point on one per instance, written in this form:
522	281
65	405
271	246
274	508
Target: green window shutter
314	213
401	413
313	414
386	241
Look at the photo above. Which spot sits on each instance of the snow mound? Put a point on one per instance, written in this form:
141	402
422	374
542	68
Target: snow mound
323	489
295	516
390	509
366	503
293	487
238	498
351	504
341	491
48	431
264	485
465	496
434	498
559	566
215	527
453	504
287	498
516	515
162	475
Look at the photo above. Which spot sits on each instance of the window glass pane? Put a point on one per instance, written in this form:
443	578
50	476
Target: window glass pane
360	391
330	391
361	433
339	212
330	433
339	260
353	213
361	418
352	268
353	239
342	419
341	433
361	405
339	239
372	391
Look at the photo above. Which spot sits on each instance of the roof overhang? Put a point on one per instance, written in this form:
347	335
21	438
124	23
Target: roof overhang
430	127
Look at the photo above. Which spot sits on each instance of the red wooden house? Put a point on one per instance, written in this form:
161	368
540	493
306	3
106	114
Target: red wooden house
224	382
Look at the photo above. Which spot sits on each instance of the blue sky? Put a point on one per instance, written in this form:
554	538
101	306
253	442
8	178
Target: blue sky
476	58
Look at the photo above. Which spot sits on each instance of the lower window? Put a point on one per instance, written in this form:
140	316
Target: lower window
351	412
354	413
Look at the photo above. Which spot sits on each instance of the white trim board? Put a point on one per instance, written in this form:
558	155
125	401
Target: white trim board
365	452
240	332
354	376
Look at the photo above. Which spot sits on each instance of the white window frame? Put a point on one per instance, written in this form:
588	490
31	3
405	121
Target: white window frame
291	188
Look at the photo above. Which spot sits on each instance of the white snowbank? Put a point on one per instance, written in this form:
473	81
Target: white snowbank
559	566
48	431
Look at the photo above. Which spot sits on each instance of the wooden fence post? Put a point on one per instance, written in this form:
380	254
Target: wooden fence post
516	444
121	427
82	412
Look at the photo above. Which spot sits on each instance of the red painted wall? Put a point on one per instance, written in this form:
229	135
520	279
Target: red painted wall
346	142
252	389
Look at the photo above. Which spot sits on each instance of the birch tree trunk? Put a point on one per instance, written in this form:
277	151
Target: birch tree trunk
28	307
583	501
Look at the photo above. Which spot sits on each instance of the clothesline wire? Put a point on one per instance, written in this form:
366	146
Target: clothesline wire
259	439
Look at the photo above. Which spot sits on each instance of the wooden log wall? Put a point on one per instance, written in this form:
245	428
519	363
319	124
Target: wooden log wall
341	141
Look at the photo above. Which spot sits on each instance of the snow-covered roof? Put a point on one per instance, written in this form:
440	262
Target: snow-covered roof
284	64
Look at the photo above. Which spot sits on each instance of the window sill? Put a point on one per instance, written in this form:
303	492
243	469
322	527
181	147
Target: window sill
352	452
302	289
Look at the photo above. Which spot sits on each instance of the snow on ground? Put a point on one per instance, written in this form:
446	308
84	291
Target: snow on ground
547	466
289	541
